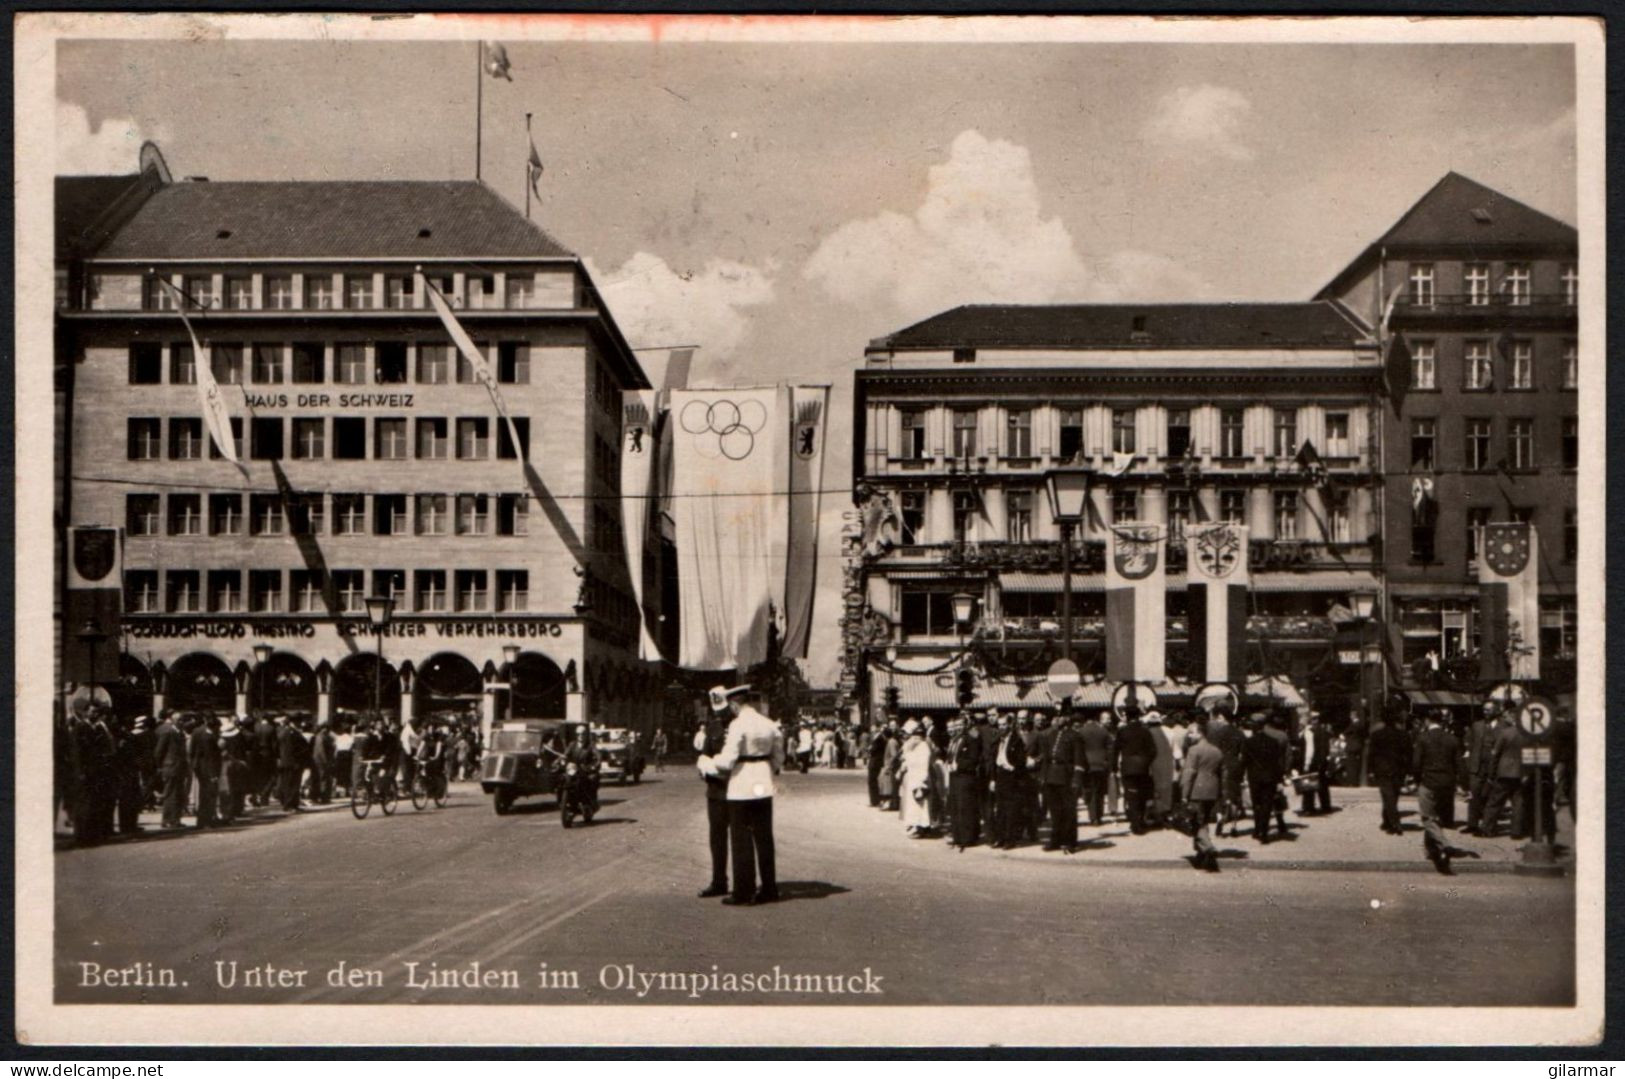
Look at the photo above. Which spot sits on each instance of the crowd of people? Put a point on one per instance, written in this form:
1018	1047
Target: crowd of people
216	769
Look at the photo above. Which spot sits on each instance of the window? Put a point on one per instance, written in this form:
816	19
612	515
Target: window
1477	518
307	513
1019	515
471	589
185	439
911	512
465	370
1339	525
432	440
432	361
1230	432
472	438
513	515
1286	432
931	613
1286	515
351	364
1179	514
267	440
389	439
513	590
225	591
267	364
1421	284
1179	432
1337	435
1571	535
1020	440
521	425
1478	372
182	365
184	594
398	291
513	362
1571	365
146	363
964	433
141	591
913	447
389	363
279	292
1233	507
1071	446
433	515
226	361
349	438
186	515
390	584
1424	430
305	590
236	441
1437	626
309	363
1125	505
199	289
1521	443
1477	448
1571	442
1559	627
309	438
349	590
1571	284
357	291
389	515
265	591
431	590
1516	284
473	515
265	515
965	506
141	515
239	293
1424	368
1477	276
520	288
226	515
350	514
1122	430
154	296
446	284
483	286
1523	365
319	292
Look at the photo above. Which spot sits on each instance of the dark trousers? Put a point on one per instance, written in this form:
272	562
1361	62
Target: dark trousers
1063	814
964	808
175	797
1388	787
751	824
1478	790
1008	812
1032	810
1263	792
208	798
289	785
716	820
1321	797
1136	796
321	782
1501	791
131	795
234	790
874	780
1094	794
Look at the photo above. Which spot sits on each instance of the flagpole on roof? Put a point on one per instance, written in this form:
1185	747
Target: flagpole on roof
528	167
479	101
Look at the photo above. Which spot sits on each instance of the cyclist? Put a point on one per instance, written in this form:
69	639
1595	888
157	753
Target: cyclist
431	756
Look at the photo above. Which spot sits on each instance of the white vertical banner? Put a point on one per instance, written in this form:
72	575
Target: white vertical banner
639	453
810	416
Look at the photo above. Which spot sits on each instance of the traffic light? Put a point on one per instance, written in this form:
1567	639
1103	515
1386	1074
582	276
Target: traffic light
892	697
966	680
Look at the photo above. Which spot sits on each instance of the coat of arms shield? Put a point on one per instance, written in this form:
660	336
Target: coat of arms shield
94	552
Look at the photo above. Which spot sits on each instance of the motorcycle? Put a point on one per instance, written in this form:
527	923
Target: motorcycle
578	795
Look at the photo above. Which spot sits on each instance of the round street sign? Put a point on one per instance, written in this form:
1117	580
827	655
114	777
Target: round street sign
1137	694
1535	717
1062	680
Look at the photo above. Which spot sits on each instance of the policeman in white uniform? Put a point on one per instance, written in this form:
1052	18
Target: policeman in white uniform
752	754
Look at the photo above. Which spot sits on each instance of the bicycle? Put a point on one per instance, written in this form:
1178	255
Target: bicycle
376	786
427	786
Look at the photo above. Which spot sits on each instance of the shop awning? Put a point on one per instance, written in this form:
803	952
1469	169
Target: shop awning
1314	581
1050	582
1441	698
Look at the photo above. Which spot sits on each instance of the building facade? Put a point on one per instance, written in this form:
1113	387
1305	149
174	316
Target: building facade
375	464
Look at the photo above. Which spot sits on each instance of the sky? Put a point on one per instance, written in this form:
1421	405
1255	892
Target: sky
780	205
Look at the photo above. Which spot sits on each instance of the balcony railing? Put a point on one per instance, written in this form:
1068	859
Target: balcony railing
1089	556
1260	627
1540	303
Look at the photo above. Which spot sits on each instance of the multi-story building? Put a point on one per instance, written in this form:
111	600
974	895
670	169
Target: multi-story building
1483	426
375	464
1182	413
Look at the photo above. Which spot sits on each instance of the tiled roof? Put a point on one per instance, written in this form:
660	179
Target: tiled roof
1459	211
337	219
1154	326
81	202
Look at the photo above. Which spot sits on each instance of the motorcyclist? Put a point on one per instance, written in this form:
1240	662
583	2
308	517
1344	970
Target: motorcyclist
584	755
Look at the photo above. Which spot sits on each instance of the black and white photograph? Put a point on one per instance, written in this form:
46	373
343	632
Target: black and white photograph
809	531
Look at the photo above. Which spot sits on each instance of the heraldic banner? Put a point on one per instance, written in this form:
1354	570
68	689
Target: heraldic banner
811	420
95	598
1509	601
639	456
1217	560
1136	612
729	476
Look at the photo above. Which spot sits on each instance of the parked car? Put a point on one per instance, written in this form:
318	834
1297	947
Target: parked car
621	752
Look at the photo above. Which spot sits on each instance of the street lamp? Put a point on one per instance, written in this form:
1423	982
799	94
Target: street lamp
1364	604
510	655
90	634
262	656
1068	489
379	608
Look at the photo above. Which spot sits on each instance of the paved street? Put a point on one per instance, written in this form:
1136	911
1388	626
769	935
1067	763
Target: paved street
609	908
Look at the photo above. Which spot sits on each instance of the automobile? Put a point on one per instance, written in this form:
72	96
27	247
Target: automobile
521	760
621	754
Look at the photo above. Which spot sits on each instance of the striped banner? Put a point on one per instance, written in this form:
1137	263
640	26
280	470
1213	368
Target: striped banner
1218	584
810	404
1136	605
639	457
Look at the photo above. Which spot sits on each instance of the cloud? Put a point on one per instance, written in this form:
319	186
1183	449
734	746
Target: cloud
1147	277
1205	117
657	305
112	148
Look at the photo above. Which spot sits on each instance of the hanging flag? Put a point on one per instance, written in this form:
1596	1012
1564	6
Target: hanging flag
476	360
1396	369
1136	603
1218	583
533	169
216	416
1509	602
639	452
1311	464
729	467
496	60
810	405
678	364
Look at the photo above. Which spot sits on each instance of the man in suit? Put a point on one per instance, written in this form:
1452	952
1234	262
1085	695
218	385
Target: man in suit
1223	735
1264	759
1434	763
203	758
268	780
965	785
132	760
708	743
1009	783
1389	756
1200	783
1479	765
1135	750
877	757
1506	777
169	762
987	740
752	755
1060	770
1097	754
1317	762
290	764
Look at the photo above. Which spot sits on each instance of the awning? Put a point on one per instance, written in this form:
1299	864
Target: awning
939	692
1050	582
1277	688
1441	698
1314	581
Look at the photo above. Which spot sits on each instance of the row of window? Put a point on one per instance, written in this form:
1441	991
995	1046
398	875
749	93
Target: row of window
311	438
1434	631
329	292
342	591
316	514
1514	286
270	363
1424	534
1518	447
1478	365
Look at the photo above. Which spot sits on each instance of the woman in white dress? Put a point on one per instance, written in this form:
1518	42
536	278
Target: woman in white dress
914	780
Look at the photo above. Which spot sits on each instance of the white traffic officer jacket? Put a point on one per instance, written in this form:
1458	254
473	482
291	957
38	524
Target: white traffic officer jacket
752	754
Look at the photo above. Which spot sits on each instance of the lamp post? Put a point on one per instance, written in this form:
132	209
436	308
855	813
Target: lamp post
379	608
262	656
1365	607
510	656
1068	488
90	635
